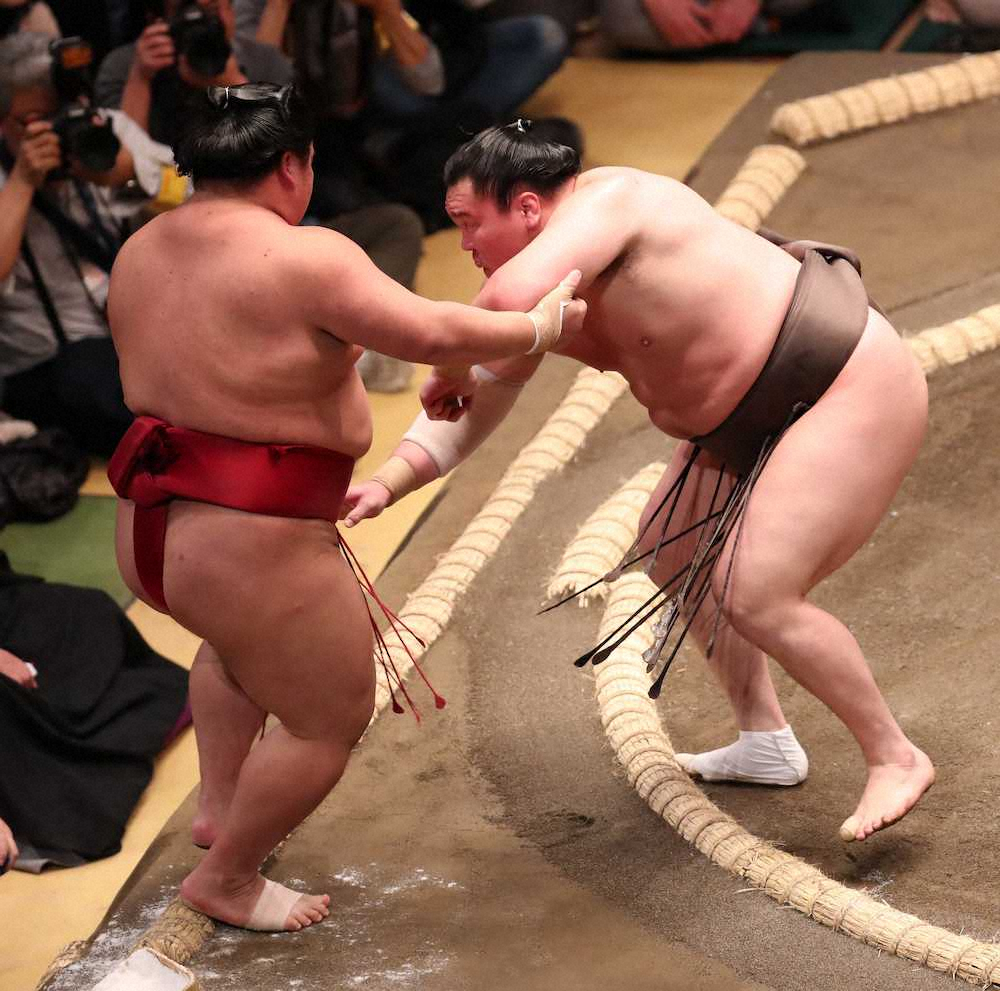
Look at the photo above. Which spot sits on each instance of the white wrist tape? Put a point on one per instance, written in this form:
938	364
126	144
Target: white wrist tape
398	476
446	443
547	333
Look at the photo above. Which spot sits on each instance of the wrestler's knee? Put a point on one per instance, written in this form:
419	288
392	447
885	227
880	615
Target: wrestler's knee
339	713
756	613
342	724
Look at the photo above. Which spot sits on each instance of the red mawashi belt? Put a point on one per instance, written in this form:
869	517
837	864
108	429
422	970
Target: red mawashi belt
156	462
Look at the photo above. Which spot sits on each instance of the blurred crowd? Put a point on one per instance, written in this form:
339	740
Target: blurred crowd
91	94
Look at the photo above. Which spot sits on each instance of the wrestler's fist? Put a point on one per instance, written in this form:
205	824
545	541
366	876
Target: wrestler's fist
8	848
448	393
364	502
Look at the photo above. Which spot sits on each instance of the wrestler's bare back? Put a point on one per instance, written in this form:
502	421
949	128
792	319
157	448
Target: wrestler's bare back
684	303
211	318
215	332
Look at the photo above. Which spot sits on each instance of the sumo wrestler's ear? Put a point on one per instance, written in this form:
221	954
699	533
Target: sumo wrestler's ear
529	207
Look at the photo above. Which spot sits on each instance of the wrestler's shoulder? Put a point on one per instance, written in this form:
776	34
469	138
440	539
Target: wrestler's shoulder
321	244
620	177
618	189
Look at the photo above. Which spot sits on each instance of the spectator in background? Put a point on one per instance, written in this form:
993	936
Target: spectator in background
409	80
976	13
78	735
58	239
494	64
27	15
104	23
976	24
8	848
687	25
150	79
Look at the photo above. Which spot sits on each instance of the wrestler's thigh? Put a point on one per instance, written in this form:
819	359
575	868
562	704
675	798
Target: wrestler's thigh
694	503
285	613
829	482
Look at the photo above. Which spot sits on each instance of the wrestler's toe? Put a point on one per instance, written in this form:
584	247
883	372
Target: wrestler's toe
852	830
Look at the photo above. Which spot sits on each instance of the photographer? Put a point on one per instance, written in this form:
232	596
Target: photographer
59	161
27	15
191	45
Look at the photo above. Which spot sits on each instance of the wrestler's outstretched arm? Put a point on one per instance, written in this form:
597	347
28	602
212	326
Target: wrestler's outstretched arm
431	448
344	293
592	229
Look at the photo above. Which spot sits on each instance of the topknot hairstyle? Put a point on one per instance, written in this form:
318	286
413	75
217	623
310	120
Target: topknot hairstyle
500	159
239	134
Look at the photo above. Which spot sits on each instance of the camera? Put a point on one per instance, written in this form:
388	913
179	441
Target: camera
201	38
87	141
92	145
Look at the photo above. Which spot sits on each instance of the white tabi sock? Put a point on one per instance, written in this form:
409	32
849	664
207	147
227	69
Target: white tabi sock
761	758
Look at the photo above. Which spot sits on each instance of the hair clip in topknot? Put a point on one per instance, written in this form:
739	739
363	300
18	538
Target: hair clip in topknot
523	125
218	96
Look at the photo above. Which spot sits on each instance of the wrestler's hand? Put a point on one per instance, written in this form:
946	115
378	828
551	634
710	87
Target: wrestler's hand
17	670
8	848
364	502
448	393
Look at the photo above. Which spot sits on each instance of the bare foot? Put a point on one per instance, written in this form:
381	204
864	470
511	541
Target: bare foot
892	790
261	904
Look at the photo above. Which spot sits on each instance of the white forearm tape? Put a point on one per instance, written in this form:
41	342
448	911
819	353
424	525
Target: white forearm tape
446	443
398	476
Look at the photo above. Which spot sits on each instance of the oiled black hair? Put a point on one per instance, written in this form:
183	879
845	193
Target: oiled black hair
500	159
239	134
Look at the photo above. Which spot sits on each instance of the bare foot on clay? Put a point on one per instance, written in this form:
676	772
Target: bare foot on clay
262	905
892	790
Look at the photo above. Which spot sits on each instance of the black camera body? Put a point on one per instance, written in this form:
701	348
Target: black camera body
90	142
94	145
201	38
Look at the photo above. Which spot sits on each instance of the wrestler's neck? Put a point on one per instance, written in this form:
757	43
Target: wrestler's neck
553	200
267	194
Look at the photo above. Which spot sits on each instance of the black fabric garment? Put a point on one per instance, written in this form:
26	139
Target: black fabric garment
77	752
40	477
459	36
78	390
334	47
94	21
412	164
